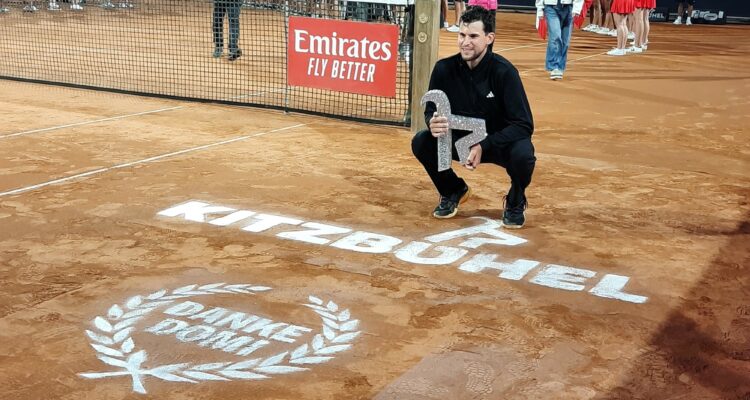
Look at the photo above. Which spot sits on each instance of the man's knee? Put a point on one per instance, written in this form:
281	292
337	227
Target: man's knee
421	142
522	154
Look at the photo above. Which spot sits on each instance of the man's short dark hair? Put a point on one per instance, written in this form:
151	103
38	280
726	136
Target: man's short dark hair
476	13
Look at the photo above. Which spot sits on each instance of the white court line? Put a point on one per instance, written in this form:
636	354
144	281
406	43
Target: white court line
145	160
523	47
89	122
593	55
571	61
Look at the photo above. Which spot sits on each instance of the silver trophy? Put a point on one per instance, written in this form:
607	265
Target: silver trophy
474	125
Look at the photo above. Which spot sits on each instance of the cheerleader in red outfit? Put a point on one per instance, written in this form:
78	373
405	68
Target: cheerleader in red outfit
621	9
642	26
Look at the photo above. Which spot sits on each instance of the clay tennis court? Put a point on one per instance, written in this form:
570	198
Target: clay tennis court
132	229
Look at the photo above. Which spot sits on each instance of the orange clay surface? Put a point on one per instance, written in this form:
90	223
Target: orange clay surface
643	171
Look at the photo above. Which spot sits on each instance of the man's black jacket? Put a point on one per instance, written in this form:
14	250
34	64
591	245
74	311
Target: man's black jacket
492	91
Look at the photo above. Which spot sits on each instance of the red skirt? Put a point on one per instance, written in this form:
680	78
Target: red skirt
648	4
622	6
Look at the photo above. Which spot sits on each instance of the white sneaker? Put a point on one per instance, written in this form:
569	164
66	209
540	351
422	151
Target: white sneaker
635	49
591	27
30	8
53	7
616	52
631	35
644	46
678	21
76	7
4	10
602	31
556	75
445	25
688	21
612	33
452	28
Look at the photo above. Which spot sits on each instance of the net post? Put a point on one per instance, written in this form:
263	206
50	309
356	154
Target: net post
426	42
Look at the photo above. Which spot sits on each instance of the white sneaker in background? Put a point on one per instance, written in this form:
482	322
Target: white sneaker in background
635	49
53	7
631	35
4	10
76	7
612	33
602	31
678	21
688	21
616	52
452	28
445	25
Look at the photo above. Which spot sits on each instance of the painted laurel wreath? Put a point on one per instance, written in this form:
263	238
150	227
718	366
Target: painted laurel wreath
114	344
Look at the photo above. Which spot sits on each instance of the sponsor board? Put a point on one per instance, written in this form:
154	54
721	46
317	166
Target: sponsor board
345	56
712	17
659	14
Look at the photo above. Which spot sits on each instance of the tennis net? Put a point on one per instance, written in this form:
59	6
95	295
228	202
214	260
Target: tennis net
167	48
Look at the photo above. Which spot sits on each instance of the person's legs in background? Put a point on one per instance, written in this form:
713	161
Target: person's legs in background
218	27
233	11
459	7
638	30
646	29
554	42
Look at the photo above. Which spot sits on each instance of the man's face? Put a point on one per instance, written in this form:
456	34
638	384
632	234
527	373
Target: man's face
472	41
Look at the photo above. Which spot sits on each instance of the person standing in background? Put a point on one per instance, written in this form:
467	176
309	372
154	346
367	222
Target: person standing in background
641	24
621	10
459	6
230	8
559	16
681	11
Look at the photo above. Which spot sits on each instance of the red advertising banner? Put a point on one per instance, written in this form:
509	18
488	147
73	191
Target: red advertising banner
346	56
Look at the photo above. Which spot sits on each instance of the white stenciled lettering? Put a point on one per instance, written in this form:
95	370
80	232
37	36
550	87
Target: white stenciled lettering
211	315
367	242
184	308
258	344
490	227
265	327
167	327
312	235
562	277
515	270
194	211
195	333
287	334
411	253
489	232
237	321
226	341
236	216
266	222
611	287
